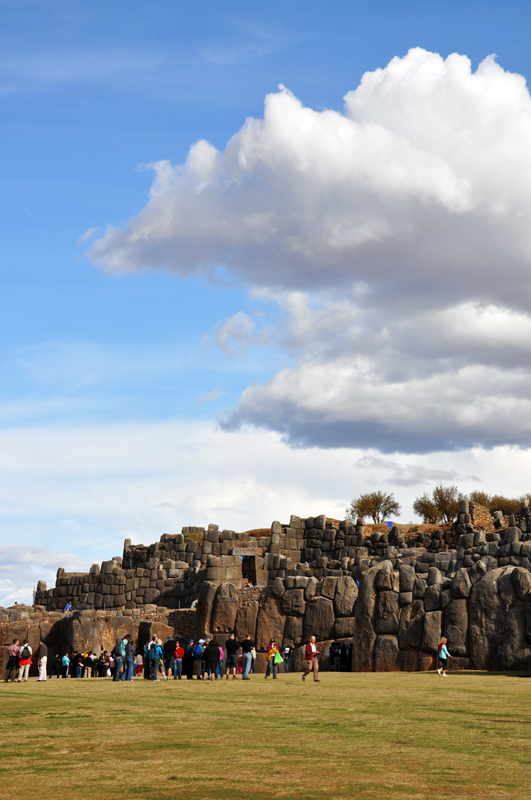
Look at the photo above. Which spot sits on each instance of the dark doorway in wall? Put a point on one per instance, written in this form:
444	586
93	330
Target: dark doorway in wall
249	569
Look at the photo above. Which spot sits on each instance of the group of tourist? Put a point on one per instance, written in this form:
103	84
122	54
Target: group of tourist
204	660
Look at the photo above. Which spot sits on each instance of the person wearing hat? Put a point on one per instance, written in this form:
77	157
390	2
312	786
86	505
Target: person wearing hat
272	667
178	661
155	655
198	650
189	658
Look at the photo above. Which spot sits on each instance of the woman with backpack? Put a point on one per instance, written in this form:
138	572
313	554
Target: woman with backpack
155	658
24	661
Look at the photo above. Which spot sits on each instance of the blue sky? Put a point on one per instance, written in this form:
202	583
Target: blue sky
149	386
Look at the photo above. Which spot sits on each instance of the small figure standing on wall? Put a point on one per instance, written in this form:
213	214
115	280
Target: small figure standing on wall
68	606
312	660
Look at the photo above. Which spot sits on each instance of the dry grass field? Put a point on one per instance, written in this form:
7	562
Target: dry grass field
394	736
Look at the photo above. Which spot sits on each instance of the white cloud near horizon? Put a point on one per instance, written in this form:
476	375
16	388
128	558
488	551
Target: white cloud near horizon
395	239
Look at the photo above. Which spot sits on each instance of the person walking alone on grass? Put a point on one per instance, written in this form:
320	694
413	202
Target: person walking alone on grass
442	657
312	660
12	660
42	654
232	647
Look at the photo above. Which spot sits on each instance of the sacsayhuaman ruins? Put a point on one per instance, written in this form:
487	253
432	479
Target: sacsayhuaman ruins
391	596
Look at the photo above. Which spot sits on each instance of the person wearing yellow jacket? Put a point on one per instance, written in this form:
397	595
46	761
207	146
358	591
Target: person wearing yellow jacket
272	666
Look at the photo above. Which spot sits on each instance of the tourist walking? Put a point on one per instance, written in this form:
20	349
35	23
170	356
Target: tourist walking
24	661
442	657
272	660
312	660
231	663
41	654
247	656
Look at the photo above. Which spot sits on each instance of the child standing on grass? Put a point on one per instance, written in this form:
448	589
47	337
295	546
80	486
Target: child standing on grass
442	657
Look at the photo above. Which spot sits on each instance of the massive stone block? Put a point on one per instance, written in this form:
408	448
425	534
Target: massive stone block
386	654
318	619
270	623
293	631
364	633
293	602
246	620
411	626
224	609
387	611
487	619
345	596
456	627
204	609
343	628
431	635
407	578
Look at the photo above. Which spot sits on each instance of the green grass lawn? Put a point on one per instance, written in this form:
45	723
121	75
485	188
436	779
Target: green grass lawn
411	736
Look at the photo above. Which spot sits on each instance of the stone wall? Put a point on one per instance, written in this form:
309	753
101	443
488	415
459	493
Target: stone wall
393	596
89	629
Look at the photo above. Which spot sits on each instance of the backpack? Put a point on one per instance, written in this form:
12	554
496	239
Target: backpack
154	655
25	653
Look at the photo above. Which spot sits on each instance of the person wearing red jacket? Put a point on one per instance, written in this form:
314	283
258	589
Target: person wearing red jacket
178	661
312	660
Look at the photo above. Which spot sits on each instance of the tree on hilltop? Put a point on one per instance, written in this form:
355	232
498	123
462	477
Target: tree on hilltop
479	497
425	507
442	506
377	505
507	505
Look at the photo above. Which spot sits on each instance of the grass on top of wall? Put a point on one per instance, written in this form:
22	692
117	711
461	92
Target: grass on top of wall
394	736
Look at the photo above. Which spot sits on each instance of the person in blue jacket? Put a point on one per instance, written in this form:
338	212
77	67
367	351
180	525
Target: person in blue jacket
155	654
442	657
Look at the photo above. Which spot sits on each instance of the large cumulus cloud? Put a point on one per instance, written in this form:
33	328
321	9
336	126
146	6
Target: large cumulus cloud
395	237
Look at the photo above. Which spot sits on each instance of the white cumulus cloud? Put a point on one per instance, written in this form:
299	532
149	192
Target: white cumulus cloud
395	238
